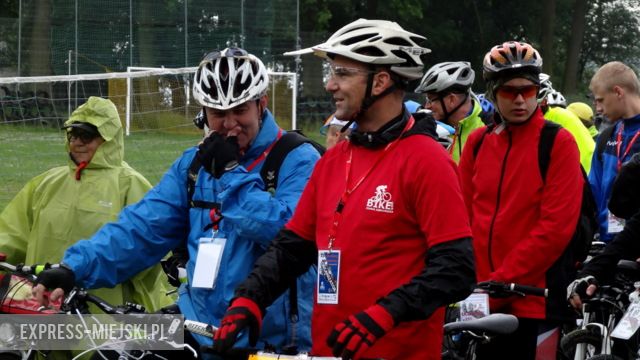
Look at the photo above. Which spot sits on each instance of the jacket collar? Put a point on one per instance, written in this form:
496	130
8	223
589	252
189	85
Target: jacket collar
475	114
266	136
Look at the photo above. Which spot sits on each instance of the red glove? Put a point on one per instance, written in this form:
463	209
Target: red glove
351	338
242	313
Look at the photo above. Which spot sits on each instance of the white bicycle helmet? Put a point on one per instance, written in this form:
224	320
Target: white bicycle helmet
376	42
555	98
228	78
546	87
447	75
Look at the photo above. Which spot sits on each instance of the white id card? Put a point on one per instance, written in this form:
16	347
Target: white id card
476	306
614	223
208	262
328	276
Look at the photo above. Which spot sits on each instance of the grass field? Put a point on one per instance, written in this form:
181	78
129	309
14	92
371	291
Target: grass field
28	151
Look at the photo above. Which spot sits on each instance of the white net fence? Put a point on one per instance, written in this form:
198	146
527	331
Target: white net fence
156	108
147	98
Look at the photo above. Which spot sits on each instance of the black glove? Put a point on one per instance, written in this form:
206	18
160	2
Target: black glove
172	265
218	154
57	276
579	287
242	313
351	338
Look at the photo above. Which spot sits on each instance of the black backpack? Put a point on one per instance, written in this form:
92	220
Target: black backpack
269	173
587	225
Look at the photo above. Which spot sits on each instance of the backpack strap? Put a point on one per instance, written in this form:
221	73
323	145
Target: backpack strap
488	129
269	173
192	176
601	142
547	137
273	162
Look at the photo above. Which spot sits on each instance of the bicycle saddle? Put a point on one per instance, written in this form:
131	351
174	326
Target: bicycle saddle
498	324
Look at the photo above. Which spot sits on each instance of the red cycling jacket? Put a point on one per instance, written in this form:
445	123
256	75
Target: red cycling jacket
521	225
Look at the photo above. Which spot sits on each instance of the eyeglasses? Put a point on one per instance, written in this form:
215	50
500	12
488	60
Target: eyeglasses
430	101
85	137
512	92
339	73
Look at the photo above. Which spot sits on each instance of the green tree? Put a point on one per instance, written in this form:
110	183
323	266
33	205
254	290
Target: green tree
578	28
612	32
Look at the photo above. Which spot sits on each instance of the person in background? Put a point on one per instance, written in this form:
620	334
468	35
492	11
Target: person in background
624	203
488	109
585	113
68	203
391	249
518	216
616	93
412	106
332	129
447	89
553	106
226	218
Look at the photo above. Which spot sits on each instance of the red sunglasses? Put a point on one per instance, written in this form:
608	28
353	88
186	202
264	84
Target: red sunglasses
512	92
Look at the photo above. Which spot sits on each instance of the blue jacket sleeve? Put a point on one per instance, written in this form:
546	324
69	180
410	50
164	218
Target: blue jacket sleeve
595	180
142	235
256	214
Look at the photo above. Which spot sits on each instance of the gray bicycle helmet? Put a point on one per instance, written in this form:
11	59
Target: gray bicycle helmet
376	42
457	75
228	78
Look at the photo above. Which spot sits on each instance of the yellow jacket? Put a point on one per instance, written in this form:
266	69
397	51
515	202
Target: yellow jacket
581	134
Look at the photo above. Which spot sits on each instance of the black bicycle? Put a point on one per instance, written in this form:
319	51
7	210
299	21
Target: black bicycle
16	282
461	338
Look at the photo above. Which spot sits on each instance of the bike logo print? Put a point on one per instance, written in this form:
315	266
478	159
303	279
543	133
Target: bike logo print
381	200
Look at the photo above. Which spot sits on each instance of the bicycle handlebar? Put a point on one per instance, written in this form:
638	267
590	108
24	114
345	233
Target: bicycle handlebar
496	289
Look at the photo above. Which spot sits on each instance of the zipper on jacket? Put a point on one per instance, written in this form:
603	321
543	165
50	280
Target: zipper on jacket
495	214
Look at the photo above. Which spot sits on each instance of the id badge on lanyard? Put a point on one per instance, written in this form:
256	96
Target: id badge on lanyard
208	262
328	276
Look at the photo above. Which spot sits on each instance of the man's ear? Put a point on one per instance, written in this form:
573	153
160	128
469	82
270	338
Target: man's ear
263	101
618	90
381	81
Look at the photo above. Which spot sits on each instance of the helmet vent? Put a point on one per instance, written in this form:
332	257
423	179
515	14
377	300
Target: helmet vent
357	39
370	51
408	61
398	41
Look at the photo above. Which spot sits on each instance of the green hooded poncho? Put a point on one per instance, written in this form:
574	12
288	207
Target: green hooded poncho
54	210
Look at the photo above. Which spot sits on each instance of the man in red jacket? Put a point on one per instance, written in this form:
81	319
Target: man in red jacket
382	216
521	223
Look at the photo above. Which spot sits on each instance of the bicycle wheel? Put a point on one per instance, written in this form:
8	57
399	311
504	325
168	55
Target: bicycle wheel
569	342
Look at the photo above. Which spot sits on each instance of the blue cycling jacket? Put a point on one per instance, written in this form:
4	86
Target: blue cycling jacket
162	220
604	172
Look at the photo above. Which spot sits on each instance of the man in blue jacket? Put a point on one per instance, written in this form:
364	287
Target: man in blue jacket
616	92
229	222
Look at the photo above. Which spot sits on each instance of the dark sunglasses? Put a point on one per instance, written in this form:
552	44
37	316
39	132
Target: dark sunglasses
512	92
85	137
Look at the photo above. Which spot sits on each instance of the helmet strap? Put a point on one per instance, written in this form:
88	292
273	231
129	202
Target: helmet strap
368	100
447	114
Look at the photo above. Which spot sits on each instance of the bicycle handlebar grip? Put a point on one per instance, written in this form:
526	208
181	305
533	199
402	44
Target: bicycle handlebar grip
529	290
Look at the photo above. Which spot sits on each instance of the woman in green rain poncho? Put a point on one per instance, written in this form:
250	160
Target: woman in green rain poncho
68	203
